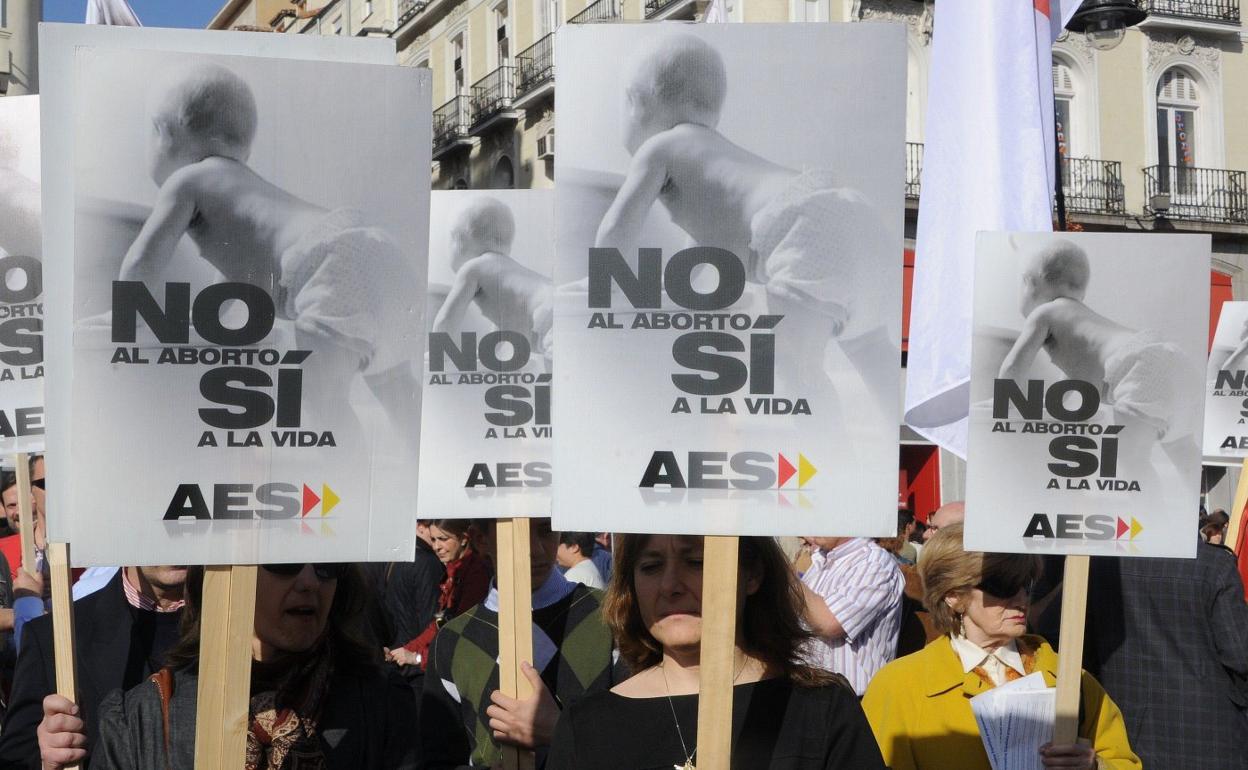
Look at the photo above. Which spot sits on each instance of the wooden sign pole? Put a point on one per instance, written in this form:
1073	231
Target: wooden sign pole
25	511
1070	662
515	622
1237	523
225	665
719	635
62	620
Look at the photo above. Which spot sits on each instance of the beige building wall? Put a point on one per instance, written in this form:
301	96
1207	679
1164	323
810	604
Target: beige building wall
19	46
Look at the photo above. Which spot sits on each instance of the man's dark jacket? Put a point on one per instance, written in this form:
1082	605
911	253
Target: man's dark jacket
113	652
1168	639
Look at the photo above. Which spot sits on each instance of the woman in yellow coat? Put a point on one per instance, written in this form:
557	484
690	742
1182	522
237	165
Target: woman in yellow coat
919	705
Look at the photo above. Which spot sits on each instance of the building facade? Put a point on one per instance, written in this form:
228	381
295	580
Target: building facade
1154	133
19	46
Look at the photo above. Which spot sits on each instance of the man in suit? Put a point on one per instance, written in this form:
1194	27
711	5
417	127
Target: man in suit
1168	639
122	633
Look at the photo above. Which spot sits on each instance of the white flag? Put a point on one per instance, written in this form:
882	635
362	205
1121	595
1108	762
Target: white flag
988	165
115	12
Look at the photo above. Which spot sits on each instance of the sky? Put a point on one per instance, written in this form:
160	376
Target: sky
153	13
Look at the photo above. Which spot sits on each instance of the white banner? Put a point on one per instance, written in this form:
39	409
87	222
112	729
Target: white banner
486	418
1086	382
247	272
1226	392
728	278
21	279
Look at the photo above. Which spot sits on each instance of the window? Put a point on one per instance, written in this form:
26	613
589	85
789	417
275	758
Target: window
1063	102
504	177
552	16
502	41
810	10
1178	100
458	75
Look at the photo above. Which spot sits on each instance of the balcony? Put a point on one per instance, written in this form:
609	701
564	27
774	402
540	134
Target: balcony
1200	194
535	72
408	9
451	126
1225	11
1093	186
602	10
914	168
669	9
491	99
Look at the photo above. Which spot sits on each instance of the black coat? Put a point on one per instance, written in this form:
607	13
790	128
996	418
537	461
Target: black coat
1168	639
111	655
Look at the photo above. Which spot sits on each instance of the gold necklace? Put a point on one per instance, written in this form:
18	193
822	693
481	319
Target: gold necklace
689	755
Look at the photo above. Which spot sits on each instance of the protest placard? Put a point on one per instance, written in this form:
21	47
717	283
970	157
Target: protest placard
1226	393
728	278
487	385
1086	386
21	279
244	265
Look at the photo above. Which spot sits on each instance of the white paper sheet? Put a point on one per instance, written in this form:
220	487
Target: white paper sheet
1015	720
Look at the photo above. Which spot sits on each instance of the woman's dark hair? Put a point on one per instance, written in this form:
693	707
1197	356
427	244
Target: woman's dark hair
347	626
459	528
770	625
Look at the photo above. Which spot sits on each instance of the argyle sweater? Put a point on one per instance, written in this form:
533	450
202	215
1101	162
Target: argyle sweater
463	671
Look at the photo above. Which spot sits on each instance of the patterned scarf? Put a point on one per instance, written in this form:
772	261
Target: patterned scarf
285	709
1025	652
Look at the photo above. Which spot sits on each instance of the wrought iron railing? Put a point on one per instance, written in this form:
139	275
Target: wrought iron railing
914	168
493	93
535	65
1204	194
655	7
1205	10
1093	186
408	9
602	10
450	121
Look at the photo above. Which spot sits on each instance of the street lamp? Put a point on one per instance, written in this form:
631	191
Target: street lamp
1105	22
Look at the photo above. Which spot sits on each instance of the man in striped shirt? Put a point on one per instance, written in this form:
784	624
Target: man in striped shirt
853	605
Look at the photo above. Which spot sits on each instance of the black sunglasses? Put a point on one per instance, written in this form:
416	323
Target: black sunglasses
1005	587
40	483
329	571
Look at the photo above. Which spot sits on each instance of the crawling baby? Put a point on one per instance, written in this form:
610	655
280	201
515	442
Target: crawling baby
1138	371
346	287
509	294
800	235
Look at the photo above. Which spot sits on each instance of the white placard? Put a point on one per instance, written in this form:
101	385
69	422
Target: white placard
1226	392
728	278
486	418
247	263
21	279
1086	393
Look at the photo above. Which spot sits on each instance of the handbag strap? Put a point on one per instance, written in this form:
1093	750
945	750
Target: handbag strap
163	679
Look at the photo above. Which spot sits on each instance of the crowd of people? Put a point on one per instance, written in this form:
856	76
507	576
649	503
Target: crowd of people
854	654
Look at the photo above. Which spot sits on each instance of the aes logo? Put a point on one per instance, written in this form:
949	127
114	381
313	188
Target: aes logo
721	470
273	500
1098	526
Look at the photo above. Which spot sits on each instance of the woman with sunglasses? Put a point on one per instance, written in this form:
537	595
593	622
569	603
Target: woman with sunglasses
313	675
919	705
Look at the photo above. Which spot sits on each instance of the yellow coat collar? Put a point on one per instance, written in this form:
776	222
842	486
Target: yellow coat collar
944	669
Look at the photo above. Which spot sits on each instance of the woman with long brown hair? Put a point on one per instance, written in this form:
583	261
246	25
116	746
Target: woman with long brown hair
785	713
